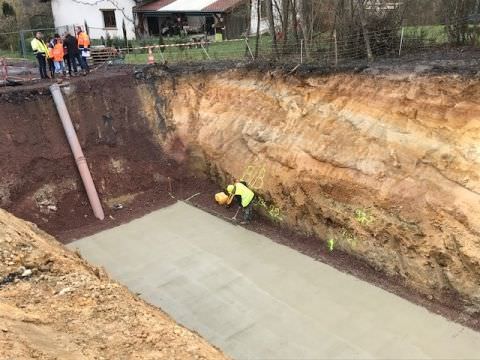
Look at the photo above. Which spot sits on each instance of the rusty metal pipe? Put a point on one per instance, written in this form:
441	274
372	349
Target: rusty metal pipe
77	152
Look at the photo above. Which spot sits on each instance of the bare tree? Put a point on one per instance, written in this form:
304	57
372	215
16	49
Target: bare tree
363	21
307	22
285	22
249	26
456	13
257	36
271	25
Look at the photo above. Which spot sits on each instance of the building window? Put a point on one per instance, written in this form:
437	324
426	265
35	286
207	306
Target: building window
109	19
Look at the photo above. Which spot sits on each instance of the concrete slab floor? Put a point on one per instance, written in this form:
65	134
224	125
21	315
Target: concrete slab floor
256	299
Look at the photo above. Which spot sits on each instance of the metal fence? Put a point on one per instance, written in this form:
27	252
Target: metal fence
324	49
17	44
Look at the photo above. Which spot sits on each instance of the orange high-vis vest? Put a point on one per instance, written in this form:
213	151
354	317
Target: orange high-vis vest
58	52
83	40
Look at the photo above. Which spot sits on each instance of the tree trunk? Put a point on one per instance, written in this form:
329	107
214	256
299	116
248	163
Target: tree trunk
366	36
271	26
257	37
285	16
306	24
293	6
249	26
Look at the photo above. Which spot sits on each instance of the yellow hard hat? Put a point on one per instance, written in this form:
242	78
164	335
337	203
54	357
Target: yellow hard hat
230	188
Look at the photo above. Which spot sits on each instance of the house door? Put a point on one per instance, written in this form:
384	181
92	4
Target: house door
153	27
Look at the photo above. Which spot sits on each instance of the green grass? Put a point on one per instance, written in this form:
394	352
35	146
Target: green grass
15	55
435	33
216	50
223	50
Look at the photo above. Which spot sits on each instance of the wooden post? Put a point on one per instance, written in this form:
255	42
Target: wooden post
249	49
161	54
205	51
22	40
366	36
336	46
401	42
301	51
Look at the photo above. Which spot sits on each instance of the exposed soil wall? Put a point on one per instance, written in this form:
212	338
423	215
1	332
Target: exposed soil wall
385	168
40	181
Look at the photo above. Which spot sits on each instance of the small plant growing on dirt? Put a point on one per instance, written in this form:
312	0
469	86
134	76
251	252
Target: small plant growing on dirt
363	217
330	244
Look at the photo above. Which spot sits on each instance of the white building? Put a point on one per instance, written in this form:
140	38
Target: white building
264	26
102	17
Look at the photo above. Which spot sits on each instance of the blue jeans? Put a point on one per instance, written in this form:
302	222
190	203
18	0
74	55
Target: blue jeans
59	67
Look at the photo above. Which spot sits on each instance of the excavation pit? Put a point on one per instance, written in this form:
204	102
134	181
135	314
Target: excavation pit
374	175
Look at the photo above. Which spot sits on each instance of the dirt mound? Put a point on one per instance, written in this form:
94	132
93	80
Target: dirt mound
54	305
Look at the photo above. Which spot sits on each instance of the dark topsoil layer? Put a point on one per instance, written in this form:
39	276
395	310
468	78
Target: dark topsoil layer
463	61
74	218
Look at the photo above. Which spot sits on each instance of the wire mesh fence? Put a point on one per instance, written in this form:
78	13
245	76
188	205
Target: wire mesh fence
324	50
328	49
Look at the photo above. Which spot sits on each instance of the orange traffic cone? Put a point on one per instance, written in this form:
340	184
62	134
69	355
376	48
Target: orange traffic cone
151	58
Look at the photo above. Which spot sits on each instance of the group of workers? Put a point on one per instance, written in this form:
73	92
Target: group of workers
242	195
58	51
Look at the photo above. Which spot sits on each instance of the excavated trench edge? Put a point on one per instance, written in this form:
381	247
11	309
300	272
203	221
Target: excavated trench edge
308	245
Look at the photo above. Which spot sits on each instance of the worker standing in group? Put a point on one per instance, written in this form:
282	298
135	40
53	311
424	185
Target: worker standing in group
84	47
244	198
58	56
40	50
50	64
71	44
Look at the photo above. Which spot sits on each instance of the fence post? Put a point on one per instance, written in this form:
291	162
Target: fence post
401	42
205	51
248	47
22	41
3	64
336	46
301	51
161	54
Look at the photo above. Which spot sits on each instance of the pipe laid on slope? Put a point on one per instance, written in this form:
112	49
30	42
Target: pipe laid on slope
77	152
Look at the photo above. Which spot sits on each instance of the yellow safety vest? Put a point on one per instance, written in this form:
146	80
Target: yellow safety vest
39	46
246	194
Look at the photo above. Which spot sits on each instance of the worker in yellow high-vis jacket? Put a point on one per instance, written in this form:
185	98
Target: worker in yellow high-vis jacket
40	50
243	196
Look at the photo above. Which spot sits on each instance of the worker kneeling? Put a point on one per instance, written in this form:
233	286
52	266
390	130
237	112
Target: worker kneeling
244	198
